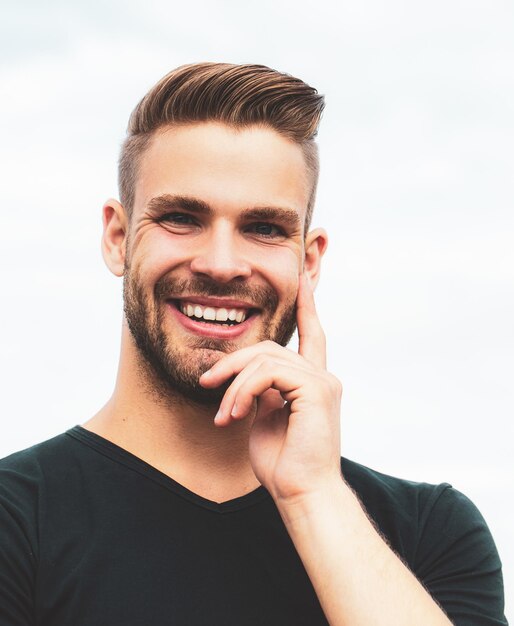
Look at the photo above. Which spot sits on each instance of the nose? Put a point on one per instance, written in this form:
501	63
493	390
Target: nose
220	255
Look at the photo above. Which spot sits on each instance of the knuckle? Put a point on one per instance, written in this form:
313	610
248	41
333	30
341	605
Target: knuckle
266	364
261	360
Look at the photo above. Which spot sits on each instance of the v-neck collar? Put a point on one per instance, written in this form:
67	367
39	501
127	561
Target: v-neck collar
124	457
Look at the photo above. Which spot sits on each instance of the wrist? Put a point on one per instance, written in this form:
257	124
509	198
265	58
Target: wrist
330	494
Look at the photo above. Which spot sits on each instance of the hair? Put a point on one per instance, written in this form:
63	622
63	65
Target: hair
237	95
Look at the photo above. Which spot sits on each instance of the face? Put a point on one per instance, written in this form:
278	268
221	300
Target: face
216	243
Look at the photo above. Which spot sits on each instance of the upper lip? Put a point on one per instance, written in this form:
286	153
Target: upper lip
217	302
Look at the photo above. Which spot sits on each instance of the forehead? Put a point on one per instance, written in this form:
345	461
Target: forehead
227	167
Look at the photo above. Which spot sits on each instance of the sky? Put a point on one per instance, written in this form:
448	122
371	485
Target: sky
417	293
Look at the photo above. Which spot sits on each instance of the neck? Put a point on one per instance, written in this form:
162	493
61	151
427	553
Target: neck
174	435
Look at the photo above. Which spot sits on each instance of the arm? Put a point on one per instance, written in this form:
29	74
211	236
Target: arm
295	453
357	577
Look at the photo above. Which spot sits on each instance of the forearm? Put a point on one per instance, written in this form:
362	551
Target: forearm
358	579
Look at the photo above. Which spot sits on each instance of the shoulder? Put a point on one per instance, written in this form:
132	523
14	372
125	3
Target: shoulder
390	499
425	504
442	537
24	474
22	491
376	483
26	485
31	461
411	512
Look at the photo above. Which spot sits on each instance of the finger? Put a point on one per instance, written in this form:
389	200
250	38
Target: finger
291	383
311	338
226	412
231	408
268	375
233	363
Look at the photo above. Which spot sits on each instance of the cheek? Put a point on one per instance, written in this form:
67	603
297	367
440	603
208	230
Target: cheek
282	270
155	258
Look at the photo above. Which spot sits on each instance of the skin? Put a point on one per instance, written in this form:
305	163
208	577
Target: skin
230	170
276	420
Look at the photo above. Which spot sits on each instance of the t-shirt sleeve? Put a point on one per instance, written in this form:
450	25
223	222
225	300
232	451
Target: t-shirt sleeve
458	562
17	561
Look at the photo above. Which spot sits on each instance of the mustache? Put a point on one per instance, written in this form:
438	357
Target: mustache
260	295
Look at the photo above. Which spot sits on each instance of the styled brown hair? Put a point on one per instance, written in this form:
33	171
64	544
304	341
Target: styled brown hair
238	95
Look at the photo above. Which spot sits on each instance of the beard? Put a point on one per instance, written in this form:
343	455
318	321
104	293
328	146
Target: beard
175	369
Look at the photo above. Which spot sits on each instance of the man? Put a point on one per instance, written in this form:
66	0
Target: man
210	488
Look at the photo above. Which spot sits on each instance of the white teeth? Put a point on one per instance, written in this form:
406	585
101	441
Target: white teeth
213	313
222	315
209	313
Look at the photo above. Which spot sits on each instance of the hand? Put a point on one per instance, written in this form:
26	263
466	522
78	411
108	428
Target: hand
294	441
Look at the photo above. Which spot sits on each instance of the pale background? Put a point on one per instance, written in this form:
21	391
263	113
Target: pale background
417	295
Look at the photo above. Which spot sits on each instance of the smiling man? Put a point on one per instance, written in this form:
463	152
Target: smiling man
210	489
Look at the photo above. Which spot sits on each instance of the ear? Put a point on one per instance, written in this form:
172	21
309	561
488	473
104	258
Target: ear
316	243
114	238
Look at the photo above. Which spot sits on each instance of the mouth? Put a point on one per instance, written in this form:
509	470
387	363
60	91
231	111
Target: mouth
214	321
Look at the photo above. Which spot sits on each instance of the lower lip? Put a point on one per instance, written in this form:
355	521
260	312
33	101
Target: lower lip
212	330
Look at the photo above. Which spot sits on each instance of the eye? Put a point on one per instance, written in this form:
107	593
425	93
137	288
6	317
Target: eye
177	218
267	230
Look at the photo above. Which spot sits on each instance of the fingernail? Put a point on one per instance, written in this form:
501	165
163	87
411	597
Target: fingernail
233	413
217	417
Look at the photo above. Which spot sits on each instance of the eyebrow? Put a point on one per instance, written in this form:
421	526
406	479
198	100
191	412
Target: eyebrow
275	214
169	202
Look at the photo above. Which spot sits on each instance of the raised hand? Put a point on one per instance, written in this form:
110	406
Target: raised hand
294	441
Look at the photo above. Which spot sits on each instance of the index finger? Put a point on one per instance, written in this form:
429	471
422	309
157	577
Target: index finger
311	338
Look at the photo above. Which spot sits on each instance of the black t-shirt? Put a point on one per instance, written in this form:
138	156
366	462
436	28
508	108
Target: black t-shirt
91	535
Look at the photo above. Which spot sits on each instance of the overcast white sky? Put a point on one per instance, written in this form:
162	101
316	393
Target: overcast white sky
417	295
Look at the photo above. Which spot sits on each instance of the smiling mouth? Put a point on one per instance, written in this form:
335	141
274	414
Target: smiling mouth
217	316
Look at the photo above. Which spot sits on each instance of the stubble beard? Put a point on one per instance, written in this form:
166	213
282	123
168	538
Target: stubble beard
171	371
